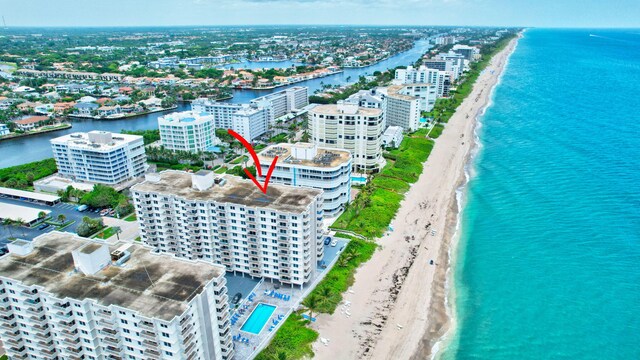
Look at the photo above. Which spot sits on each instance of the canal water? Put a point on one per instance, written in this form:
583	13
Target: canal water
37	147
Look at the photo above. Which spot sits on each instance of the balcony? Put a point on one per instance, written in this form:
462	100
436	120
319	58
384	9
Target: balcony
148	335
146	325
46	336
186	328
112	350
150	343
108	332
12	342
103	314
111	341
187	317
151	352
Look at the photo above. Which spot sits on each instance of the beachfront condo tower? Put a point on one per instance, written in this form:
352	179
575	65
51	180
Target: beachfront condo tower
187	131
227	220
66	297
99	157
350	127
305	164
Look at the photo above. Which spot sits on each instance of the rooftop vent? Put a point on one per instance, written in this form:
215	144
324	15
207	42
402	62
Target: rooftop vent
91	257
20	247
202	180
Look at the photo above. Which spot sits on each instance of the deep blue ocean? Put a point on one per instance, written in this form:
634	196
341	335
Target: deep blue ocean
548	264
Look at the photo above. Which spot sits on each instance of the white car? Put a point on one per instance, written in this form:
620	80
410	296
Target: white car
334	243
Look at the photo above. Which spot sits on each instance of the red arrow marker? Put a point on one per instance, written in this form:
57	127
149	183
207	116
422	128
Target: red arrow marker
255	161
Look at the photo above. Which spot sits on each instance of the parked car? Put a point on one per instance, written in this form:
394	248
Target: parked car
43	226
327	240
4	250
82	208
334	243
236	298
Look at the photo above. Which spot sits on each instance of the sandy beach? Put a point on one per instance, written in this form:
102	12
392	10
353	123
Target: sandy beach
396	307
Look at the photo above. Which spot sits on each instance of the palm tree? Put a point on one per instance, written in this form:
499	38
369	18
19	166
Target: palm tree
282	356
312	302
325	295
61	218
42	215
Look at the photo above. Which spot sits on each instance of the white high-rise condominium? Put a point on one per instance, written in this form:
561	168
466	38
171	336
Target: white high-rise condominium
400	109
227	220
187	131
350	127
284	102
248	120
304	164
425	75
99	157
66	297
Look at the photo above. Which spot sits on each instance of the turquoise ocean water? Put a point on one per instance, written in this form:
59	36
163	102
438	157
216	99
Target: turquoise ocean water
549	257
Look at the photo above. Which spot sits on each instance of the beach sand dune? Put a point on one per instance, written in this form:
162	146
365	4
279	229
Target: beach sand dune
396	306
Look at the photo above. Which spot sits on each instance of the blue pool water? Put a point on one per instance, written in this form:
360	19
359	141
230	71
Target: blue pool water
549	257
258	318
361	179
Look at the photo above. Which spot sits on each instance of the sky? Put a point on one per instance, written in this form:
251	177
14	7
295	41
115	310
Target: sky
530	13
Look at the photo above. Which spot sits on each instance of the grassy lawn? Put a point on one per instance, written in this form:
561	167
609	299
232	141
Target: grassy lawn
292	341
436	131
106	233
376	205
340	277
138	239
220	170
65	225
4	357
131	218
239	160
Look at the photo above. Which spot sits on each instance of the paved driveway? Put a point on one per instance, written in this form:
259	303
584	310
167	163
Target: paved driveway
69	210
130	229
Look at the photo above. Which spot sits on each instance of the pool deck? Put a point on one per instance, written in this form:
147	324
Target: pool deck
283	307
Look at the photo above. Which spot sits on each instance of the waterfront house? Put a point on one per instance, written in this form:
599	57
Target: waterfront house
43	109
85	108
109	110
26	106
62	106
31	123
4	130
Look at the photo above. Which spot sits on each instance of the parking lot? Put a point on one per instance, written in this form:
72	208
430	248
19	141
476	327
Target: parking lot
68	210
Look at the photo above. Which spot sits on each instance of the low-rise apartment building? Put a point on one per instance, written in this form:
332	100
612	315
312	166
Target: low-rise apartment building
304	164
66	297
227	220
100	157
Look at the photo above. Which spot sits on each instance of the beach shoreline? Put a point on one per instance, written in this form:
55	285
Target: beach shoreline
384	314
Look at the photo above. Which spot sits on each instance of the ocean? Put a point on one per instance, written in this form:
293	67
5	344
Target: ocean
548	263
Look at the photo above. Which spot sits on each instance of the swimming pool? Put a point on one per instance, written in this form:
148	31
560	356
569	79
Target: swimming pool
361	179
258	318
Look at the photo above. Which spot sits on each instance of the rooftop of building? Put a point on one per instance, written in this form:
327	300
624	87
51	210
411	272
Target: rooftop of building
394	91
157	286
235	190
319	157
96	140
335	109
184	117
